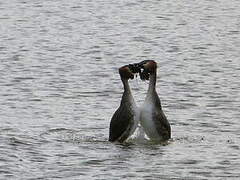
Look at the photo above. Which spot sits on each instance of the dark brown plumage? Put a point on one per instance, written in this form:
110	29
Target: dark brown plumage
123	122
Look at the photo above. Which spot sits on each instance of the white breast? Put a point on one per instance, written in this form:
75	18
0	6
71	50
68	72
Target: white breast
136	115
146	120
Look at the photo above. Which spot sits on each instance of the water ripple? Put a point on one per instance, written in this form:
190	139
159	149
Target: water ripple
60	86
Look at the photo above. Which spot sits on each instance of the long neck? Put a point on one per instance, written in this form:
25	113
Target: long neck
152	94
126	86
152	82
127	95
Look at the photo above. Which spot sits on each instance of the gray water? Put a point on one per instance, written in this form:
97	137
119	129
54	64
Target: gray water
59	86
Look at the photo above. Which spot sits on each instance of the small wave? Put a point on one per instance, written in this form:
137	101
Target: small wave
71	135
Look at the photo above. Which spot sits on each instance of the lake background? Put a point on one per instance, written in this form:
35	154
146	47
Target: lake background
60	85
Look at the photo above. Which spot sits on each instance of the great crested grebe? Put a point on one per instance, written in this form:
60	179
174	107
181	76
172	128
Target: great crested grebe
152	118
124	121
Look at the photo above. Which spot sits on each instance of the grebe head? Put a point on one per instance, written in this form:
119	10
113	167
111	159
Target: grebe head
126	73
150	66
144	68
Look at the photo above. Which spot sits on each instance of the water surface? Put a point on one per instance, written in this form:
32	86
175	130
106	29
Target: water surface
60	86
